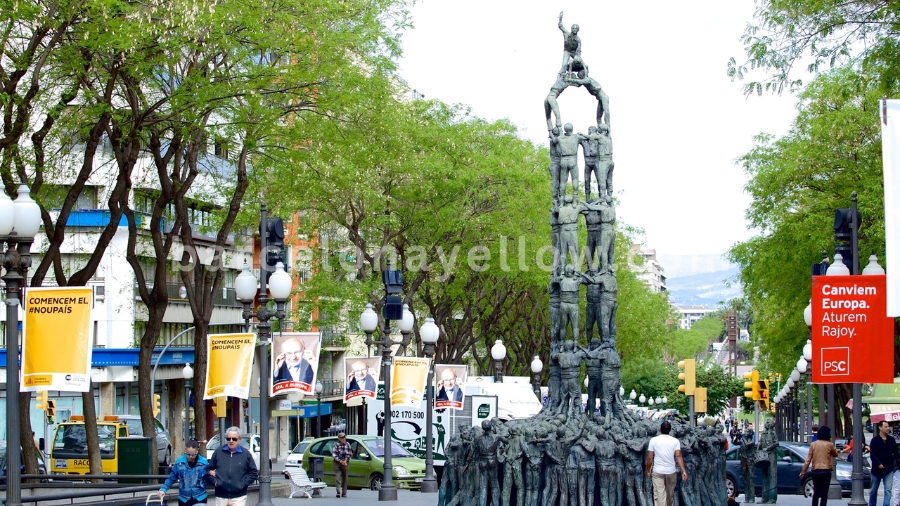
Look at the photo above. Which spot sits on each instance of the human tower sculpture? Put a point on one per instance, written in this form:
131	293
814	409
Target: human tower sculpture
571	454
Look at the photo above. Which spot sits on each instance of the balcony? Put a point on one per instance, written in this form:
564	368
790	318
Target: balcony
333	388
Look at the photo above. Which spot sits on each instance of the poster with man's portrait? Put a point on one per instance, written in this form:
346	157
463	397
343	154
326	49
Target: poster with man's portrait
295	361
361	375
449	386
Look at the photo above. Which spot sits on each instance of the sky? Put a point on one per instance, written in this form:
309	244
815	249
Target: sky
678	122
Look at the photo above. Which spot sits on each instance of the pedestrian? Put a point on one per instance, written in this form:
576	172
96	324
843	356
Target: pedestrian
819	462
341	454
883	456
663	452
815	430
234	470
192	474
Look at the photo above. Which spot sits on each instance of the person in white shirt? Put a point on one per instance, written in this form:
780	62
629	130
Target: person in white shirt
663	453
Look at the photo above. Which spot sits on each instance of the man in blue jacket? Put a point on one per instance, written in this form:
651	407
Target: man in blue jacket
883	454
192	475
234	470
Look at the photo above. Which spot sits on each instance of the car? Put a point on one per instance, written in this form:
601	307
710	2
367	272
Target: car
791	457
248	442
295	457
366	467
4	461
163	443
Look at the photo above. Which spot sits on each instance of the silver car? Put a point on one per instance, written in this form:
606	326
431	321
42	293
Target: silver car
163	444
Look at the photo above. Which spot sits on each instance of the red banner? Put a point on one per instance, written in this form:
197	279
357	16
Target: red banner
852	336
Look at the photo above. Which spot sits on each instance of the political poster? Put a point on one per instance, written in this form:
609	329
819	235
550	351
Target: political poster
362	375
408	377
295	362
852	336
449	383
230	359
56	346
890	151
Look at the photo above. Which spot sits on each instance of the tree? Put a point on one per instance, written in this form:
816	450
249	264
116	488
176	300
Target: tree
797	181
821	34
720	385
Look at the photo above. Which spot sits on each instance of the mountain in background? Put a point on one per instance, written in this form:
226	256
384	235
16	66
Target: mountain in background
699	280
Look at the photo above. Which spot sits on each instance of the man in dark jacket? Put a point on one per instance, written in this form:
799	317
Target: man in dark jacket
883	454
234	470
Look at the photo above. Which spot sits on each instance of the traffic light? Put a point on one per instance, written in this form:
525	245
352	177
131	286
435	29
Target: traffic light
763	389
274	231
752	386
700	400
51	412
688	375
843	234
156	409
220	407
42	400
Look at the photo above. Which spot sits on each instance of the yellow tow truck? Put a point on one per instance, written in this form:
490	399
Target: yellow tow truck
69	452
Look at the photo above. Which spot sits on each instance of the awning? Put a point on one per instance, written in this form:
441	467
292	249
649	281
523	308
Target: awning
891	416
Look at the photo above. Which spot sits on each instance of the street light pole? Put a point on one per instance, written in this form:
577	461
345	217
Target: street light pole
319	389
429	334
498	352
187	373
245	288
20	221
536	367
837	268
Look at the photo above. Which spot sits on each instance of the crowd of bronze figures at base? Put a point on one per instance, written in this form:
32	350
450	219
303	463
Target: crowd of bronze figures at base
585	460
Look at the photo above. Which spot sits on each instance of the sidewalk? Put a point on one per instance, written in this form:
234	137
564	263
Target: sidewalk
356	497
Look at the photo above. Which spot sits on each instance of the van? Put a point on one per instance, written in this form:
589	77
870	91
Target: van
69	452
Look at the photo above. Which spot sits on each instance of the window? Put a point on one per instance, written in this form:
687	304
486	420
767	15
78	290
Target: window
221	148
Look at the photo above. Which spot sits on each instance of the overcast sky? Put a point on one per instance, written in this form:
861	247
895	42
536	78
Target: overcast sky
678	121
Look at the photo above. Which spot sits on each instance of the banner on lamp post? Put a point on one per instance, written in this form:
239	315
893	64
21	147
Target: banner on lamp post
295	362
362	375
890	151
230	362
409	375
852	336
51	361
450	383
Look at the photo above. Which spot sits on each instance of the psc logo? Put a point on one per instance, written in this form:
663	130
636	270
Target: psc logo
835	361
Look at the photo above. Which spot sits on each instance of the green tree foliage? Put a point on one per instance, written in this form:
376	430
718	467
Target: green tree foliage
818	34
681	343
720	384
797	181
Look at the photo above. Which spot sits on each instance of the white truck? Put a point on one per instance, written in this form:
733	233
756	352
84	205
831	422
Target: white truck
484	399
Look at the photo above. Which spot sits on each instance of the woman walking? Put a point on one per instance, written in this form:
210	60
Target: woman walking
819	461
191	474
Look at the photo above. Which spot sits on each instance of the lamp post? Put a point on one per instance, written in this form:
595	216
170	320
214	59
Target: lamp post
187	373
498	352
319	389
536	367
20	221
245	287
642	399
429	333
837	268
621	391
392	310
632	395
406	324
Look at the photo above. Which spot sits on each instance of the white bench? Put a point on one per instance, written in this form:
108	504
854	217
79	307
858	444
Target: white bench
301	484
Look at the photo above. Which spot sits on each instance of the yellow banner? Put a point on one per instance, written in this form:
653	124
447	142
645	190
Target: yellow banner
408	376
56	346
230	362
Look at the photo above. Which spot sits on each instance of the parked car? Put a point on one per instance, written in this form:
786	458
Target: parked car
295	457
366	465
163	444
249	442
4	461
790	461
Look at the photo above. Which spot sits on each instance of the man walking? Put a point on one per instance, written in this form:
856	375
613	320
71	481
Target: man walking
234	470
341	454
662	454
883	454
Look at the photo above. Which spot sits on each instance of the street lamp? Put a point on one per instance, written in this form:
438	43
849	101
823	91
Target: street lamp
658	400
838	268
665	400
391	310
536	367
429	333
642	399
20	221
621	391
498	352
319	389
406	325
632	395
187	373
245	289
650	401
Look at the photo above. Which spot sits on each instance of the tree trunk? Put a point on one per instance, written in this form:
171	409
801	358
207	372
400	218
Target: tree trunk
27	440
